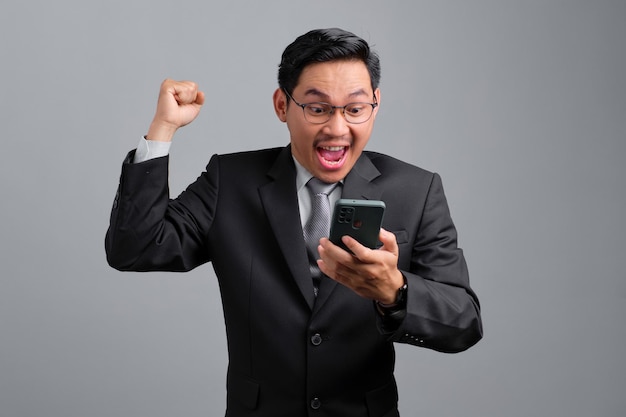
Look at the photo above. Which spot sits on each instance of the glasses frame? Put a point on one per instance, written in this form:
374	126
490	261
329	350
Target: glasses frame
332	109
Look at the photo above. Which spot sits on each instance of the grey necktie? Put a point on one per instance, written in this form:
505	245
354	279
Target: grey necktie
318	225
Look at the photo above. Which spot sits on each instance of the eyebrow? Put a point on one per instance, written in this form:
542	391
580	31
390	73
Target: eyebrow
323	96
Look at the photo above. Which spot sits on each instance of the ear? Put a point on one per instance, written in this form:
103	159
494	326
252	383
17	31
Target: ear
377	95
280	104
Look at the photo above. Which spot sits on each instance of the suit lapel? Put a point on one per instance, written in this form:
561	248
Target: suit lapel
280	201
357	185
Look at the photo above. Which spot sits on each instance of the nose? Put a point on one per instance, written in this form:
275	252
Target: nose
337	124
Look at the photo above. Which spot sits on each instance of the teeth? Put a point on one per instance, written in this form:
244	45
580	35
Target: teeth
332	148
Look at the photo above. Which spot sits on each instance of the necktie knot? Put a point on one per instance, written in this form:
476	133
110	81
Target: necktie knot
317	187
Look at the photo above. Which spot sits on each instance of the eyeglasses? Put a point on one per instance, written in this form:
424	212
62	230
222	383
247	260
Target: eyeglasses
319	112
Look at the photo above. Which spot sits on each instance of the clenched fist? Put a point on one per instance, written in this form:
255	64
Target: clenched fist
178	105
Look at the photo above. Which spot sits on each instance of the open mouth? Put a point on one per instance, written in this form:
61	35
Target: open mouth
332	157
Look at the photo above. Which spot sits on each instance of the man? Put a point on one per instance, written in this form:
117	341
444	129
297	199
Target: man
297	345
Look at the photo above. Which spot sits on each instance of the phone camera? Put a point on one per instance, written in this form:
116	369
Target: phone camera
346	214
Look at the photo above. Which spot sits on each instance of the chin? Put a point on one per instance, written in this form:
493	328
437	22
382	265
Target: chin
333	176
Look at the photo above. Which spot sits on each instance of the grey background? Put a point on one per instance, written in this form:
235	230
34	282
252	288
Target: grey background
520	106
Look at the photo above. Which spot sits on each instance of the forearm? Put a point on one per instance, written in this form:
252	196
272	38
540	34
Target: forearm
439	316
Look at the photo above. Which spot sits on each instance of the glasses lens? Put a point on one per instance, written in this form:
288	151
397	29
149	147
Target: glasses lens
317	112
358	112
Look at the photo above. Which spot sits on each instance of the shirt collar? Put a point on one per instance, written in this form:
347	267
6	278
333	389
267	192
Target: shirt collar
303	175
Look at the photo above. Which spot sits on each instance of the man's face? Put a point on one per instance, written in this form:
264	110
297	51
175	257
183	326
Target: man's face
328	150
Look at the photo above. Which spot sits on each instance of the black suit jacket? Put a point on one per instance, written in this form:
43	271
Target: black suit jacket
291	353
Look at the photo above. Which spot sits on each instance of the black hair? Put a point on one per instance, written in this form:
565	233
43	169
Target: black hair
325	45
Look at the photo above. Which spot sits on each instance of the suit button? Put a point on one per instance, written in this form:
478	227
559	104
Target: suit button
316	339
316	403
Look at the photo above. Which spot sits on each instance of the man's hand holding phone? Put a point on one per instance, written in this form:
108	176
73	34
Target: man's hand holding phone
371	273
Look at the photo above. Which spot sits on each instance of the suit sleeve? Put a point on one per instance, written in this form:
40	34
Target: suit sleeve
150	232
442	311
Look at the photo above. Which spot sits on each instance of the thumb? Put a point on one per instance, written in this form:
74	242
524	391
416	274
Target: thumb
388	240
200	98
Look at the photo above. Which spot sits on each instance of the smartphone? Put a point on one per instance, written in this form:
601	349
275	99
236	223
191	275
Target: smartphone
360	219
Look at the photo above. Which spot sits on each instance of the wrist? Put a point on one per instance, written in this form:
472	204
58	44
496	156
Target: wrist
400	297
160	132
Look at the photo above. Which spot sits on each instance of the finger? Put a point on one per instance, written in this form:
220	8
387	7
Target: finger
326	263
186	92
336	272
332	258
389	241
359	251
200	98
328	253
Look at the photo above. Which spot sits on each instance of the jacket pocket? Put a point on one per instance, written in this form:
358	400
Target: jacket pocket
401	236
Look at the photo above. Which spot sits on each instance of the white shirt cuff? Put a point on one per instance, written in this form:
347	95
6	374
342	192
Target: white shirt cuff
150	149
